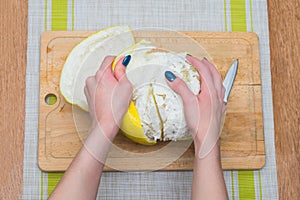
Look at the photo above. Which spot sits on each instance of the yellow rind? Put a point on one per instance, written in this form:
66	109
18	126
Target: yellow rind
131	125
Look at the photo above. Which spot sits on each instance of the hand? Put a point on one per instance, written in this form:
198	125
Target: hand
105	92
203	112
108	95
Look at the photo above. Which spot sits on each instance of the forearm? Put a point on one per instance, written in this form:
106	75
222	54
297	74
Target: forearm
82	178
208	180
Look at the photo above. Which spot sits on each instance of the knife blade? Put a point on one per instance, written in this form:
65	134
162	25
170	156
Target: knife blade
229	79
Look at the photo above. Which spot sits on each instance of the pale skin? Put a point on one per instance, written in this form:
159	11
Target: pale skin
82	178
208	180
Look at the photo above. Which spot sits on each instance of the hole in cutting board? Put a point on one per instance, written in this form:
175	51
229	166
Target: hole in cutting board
50	99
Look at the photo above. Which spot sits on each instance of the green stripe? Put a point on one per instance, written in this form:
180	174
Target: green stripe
59	14
246	185
53	179
52	100
45	15
232	185
239	23
260	187
41	185
238	15
225	16
59	22
73	8
251	16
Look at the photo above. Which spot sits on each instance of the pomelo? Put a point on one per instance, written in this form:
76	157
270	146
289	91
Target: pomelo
156	112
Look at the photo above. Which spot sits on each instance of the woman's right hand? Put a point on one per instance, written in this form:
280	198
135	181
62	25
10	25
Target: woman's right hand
204	113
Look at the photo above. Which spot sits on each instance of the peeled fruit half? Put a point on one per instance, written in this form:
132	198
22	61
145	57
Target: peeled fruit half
156	112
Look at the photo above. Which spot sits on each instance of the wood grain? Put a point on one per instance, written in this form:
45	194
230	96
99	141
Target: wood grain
62	128
13	39
284	34
284	25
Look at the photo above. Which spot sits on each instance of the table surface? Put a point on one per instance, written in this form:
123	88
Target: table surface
284	26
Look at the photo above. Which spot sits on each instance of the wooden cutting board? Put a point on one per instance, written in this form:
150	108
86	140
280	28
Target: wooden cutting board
63	127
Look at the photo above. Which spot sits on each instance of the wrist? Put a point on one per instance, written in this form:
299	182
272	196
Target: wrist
212	160
212	151
107	129
207	142
98	143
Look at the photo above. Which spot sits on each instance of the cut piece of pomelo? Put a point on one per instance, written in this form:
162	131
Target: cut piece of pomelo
86	58
155	112
157	109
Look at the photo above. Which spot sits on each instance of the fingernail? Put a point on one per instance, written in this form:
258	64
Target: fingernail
170	76
126	60
189	54
205	58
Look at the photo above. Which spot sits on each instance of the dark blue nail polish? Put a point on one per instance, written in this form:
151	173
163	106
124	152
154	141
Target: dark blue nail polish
189	54
126	60
170	76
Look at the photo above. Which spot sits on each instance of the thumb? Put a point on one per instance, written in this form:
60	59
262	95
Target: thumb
179	86
124	87
120	73
120	69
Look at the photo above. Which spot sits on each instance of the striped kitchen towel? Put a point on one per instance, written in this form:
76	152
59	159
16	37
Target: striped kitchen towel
206	15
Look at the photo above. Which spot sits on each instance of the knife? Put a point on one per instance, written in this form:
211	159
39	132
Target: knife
229	79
